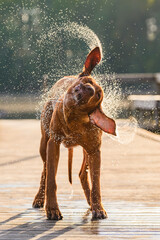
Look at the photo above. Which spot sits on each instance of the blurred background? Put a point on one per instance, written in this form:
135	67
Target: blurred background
43	40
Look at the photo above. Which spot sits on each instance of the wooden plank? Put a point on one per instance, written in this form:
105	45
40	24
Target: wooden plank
148	102
129	180
144	97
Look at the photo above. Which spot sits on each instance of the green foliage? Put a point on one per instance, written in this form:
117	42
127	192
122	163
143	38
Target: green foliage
129	32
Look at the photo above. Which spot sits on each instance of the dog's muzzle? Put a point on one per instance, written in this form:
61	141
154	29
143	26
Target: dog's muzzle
84	91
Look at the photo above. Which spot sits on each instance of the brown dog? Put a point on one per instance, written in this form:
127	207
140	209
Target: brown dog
76	119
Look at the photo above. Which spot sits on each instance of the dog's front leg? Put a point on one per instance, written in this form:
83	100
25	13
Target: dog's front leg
98	211
52	209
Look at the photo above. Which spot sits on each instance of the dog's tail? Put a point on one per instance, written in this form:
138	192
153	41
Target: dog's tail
70	157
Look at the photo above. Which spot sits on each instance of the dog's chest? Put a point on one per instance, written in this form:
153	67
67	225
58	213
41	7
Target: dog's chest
72	139
69	142
82	137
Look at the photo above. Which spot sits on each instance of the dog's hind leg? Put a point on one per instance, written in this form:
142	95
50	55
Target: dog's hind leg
83	174
40	196
45	122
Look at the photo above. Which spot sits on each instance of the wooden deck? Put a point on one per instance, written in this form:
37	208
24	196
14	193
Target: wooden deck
130	180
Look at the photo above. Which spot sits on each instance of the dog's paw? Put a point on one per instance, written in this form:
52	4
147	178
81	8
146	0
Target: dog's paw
38	203
53	214
99	214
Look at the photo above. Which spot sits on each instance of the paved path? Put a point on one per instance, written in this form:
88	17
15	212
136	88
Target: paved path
130	182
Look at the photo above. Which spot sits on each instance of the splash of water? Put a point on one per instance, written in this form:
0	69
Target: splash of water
112	94
60	41
73	33
64	46
126	130
112	106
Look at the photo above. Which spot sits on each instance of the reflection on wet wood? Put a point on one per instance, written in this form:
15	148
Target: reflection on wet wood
130	189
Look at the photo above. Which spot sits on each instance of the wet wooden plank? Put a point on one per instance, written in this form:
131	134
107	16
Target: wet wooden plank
129	179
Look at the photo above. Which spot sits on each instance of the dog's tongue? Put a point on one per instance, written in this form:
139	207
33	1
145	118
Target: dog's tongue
102	121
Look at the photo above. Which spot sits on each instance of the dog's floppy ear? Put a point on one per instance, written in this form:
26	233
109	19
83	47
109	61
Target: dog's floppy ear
105	123
92	60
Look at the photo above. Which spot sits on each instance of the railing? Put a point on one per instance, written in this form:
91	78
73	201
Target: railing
142	92
137	83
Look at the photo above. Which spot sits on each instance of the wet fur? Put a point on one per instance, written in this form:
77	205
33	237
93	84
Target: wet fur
68	122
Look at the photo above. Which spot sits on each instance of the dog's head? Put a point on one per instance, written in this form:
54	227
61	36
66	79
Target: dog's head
85	96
